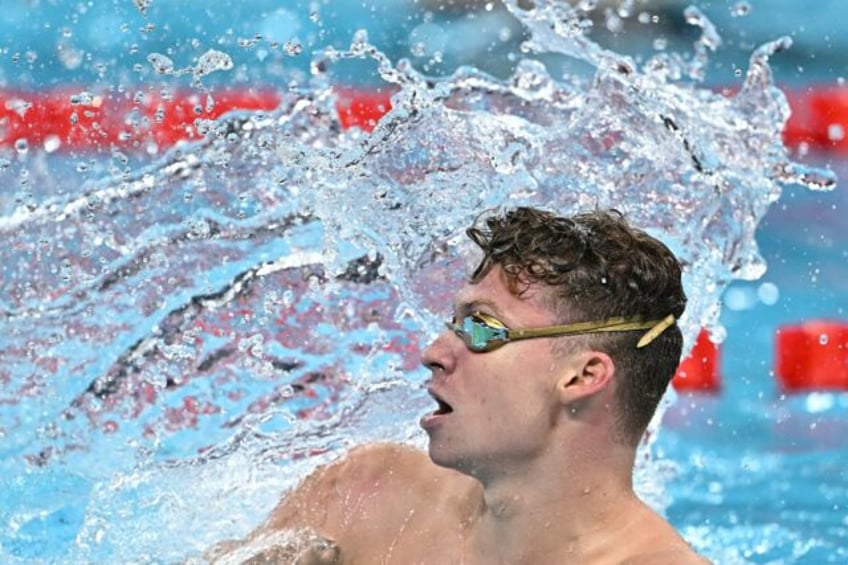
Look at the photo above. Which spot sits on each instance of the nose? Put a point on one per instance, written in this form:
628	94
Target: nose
440	355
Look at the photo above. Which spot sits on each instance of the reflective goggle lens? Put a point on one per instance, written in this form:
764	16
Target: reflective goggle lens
480	333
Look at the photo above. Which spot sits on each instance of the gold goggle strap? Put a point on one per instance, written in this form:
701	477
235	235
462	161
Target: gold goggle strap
654	327
655	331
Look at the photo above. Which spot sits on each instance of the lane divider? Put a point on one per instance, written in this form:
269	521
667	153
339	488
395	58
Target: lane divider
68	120
819	119
812	355
808	356
698	372
65	120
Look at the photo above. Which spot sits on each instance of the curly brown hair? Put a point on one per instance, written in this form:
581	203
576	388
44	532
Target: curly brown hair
596	266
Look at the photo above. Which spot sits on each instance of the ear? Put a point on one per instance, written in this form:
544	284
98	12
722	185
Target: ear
587	374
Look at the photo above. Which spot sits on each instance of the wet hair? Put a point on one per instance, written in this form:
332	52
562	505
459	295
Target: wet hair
595	266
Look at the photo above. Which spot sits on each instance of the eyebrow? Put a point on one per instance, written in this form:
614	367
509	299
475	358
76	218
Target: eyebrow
475	305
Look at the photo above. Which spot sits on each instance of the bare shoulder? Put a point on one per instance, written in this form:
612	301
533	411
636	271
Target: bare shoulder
374	500
673	556
653	541
372	484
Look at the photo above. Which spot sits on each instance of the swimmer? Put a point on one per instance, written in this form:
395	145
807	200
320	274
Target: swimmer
561	344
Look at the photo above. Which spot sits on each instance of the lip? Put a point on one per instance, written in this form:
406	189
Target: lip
436	417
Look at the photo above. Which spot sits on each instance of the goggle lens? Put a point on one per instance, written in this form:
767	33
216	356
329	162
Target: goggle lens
480	333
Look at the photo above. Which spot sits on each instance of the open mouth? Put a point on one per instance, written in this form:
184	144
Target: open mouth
443	408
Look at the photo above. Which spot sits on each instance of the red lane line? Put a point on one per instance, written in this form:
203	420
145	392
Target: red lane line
819	119
64	120
61	120
699	371
812	355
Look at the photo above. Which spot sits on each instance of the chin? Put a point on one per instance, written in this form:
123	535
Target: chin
441	457
437	455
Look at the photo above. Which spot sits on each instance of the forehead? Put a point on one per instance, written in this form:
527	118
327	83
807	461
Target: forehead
493	292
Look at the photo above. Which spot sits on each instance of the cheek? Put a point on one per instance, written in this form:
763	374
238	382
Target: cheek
513	385
532	384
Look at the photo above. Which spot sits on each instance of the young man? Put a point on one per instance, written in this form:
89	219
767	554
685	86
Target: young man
561	345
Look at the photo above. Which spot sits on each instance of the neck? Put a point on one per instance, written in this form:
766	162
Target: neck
538	509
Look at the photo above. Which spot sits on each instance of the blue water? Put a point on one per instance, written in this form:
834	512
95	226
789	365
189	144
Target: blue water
763	470
748	475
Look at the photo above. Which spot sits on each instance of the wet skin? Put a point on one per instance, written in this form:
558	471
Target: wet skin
523	467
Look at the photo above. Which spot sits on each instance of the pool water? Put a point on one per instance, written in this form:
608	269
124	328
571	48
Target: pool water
155	305
763	470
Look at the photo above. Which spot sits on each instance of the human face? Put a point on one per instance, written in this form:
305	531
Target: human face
496	409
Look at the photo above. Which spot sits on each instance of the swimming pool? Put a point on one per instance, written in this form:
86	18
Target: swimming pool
762	469
177	372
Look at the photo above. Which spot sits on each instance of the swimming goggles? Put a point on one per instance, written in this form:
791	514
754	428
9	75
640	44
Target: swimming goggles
482	333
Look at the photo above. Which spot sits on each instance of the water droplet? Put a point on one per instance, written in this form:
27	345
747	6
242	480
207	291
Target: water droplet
319	65
247	43
614	22
211	61
768	293
625	8
52	143
21	146
70	57
293	47
359	43
740	9
142	6
817	402
812	178
161	64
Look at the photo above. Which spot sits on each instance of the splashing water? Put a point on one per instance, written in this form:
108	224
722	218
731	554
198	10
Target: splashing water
273	284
